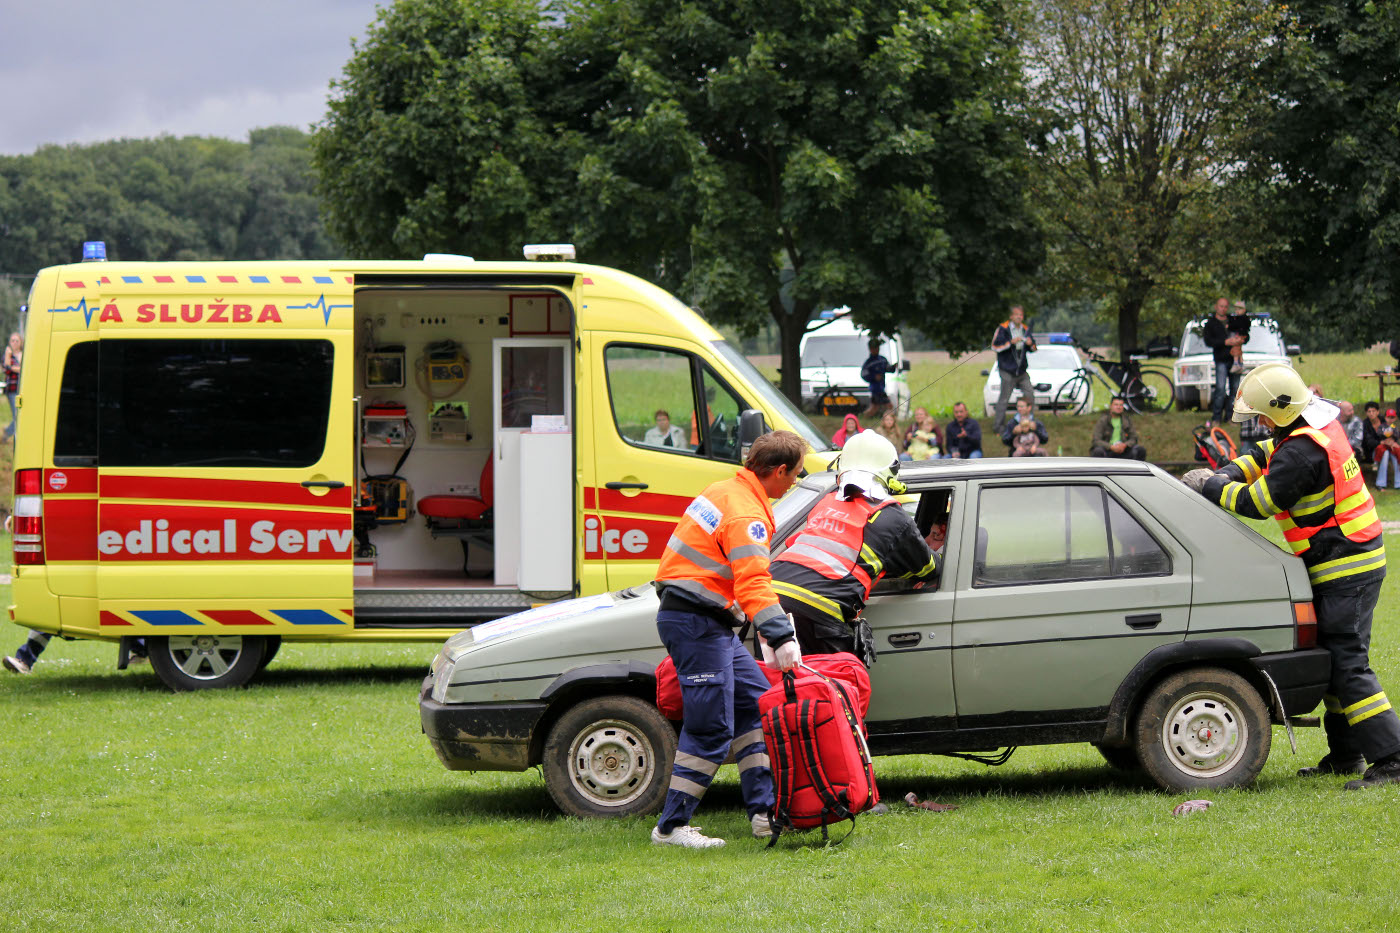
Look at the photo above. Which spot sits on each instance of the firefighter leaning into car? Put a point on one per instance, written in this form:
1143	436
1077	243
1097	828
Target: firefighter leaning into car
853	537
713	574
1307	477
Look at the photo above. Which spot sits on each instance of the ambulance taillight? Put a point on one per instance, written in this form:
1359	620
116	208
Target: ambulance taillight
29	517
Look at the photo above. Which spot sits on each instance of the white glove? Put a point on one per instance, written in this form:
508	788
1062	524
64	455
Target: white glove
770	659
1196	479
789	655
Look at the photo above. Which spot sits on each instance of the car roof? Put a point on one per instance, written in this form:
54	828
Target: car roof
924	471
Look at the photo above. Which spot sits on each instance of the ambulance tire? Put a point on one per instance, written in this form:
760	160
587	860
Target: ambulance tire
270	647
609	756
205	662
1203	727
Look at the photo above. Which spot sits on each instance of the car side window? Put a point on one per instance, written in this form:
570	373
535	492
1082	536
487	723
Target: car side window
1054	534
653	396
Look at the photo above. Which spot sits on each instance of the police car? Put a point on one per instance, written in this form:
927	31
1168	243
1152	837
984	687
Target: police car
1194	372
1082	600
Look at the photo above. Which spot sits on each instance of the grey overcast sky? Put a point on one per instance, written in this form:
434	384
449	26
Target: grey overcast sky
84	71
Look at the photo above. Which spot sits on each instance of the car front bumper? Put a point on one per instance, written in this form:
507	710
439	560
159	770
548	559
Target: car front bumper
1301	677
479	736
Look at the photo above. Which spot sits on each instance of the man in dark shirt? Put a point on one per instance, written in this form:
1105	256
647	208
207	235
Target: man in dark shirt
963	436
1217	335
1012	342
873	372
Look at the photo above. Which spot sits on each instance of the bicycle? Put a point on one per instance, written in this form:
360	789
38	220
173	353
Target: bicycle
1143	391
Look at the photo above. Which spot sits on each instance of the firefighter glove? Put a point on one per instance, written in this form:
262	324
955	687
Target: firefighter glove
1196	479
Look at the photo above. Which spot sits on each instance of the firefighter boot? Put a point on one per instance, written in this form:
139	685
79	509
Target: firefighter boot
1385	771
1329	765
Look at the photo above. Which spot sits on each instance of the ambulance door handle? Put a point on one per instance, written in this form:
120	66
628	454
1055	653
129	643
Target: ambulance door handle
616	485
323	484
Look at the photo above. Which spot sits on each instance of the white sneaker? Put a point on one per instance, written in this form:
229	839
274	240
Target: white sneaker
687	837
16	665
762	826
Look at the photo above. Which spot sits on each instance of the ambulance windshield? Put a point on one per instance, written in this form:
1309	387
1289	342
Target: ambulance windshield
771	396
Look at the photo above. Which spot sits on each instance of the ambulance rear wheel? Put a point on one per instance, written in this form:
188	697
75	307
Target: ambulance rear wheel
270	647
609	756
205	661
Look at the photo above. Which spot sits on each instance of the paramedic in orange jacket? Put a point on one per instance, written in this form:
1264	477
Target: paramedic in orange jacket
713	575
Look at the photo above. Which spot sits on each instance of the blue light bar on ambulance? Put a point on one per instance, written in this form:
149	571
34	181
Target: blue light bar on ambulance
95	251
1058	337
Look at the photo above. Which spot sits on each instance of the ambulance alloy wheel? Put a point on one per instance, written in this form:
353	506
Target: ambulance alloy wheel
205	661
609	756
1201	728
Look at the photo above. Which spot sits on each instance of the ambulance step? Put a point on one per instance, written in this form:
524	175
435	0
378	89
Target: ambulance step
435	608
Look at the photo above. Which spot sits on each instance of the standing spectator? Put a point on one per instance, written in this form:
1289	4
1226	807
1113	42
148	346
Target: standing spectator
964	436
665	434
1238	325
1388	452
925	441
873	372
1012	342
1114	435
1371	431
1024	434
14	354
850	427
1216	334
1352	425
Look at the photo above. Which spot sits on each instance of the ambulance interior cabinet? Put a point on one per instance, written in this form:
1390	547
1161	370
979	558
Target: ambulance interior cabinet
546	512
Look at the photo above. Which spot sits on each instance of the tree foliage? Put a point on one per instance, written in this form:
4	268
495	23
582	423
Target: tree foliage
1147	108
757	158
164	198
1331	155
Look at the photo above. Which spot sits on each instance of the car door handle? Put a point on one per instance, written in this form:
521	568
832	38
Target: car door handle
1145	621
616	485
323	483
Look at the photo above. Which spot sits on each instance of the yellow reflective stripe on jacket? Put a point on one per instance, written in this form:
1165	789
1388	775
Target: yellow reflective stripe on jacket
1249	467
877	566
1230	495
1259	492
1354	525
1315	502
1346	566
823	605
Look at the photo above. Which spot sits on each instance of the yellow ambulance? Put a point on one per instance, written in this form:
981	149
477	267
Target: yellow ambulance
217	457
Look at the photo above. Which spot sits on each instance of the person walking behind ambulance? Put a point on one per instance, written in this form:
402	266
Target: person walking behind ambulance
14	356
714	572
1307	477
853	538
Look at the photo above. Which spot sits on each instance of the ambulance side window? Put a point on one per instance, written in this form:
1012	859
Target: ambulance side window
722	408
75	436
653	394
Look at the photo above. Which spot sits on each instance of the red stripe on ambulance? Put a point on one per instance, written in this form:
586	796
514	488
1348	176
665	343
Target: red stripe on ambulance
66	480
110	618
625	537
134	532
236	617
645	503
219	490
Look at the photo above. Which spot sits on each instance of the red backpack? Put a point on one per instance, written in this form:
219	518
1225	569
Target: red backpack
842	666
817	751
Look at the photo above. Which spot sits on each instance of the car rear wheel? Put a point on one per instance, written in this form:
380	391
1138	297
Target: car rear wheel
609	756
205	661
1203	728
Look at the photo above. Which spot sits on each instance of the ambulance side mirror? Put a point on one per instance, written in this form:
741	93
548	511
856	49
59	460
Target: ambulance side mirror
751	428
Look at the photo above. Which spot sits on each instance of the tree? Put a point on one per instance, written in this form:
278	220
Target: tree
1147	108
1332	154
758	159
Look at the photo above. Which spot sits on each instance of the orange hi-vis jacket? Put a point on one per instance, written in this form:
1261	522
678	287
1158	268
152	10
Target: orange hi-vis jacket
1352	511
718	554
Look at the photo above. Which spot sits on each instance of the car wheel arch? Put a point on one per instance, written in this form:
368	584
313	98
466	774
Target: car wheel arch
626	678
1233	654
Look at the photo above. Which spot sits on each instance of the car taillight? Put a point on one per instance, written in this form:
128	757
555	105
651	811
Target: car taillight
29	517
1304	625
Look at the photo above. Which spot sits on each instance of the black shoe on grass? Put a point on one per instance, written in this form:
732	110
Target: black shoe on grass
1329	765
1385	771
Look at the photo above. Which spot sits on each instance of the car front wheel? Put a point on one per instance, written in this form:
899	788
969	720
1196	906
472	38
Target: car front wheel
609	756
205	662
1203	728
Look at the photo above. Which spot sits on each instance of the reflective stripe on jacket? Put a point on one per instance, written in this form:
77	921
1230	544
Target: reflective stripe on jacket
718	554
834	537
1346	503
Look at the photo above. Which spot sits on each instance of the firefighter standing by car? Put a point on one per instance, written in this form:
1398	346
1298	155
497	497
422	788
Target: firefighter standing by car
714	573
853	537
1306	476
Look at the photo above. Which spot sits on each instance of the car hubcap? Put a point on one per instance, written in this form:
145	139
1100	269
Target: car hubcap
611	762
1204	735
205	657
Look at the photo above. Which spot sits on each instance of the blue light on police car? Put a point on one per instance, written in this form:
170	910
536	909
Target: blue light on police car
1058	338
94	251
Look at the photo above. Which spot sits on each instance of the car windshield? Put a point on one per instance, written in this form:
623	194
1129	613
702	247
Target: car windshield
794	505
1054	357
1261	340
771	396
839	350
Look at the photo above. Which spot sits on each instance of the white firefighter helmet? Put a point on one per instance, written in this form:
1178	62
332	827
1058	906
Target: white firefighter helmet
1274	390
869	462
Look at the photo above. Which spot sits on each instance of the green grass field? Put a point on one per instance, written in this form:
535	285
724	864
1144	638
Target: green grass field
311	801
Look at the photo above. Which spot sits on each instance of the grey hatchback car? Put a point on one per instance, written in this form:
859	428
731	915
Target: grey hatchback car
1082	600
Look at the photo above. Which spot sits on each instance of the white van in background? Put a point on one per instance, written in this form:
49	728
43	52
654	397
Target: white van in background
833	351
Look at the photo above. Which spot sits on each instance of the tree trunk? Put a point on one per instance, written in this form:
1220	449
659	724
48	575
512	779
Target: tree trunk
1129	311
791	326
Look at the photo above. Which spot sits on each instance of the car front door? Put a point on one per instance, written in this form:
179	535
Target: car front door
1069	584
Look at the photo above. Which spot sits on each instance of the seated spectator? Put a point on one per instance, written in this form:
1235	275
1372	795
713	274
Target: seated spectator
889	430
964	436
925	440
1023	433
1371	431
920	414
850	427
1351	424
1388	452
1114	435
665	434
